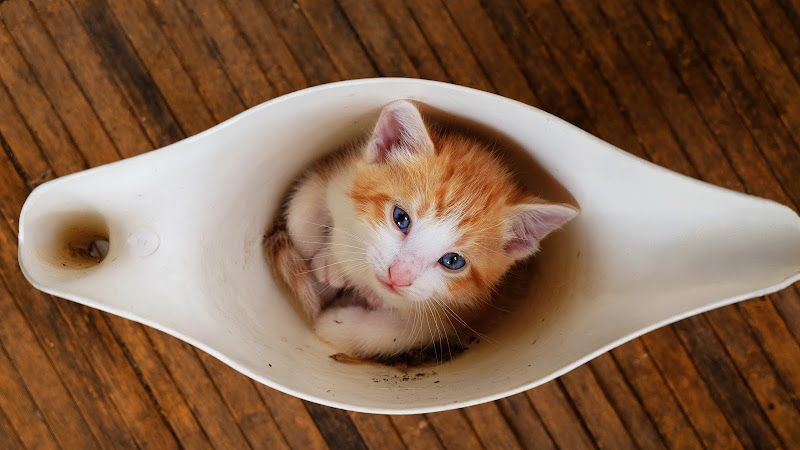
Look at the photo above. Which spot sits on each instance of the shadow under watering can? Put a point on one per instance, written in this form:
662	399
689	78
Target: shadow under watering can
173	239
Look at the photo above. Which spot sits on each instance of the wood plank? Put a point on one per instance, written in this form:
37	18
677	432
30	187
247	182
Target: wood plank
157	379
58	84
377	431
199	390
42	380
118	378
335	426
13	190
416	46
92	75
704	107
269	47
626	85
337	36
378	39
416	431
525	423
580	72
308	51
55	142
787	304
8	437
120	62
625	403
192	47
447	42
600	418
706	42
778	29
490	52
770	69
761	377
726	385
65	350
454	430
233	52
16	134
559	417
491	427
650	387
246	406
689	388
531	54
293	419
23	414
780	349
156	55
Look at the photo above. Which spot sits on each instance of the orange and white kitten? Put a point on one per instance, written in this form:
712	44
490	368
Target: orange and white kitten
410	233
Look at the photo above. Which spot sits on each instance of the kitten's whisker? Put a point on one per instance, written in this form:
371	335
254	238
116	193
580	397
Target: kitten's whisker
438	333
330	244
331	252
335	228
490	249
446	316
430	332
327	265
446	334
344	271
464	323
489	303
324	238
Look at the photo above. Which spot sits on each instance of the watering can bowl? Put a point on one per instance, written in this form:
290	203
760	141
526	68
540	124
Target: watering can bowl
185	225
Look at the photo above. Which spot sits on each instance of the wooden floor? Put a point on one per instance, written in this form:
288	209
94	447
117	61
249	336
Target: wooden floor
708	88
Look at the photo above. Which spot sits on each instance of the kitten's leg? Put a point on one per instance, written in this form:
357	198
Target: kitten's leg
369	333
307	217
287	262
309	224
300	234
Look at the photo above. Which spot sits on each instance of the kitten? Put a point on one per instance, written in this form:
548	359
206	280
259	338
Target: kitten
398	244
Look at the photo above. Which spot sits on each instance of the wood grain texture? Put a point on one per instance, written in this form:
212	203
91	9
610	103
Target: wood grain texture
709	89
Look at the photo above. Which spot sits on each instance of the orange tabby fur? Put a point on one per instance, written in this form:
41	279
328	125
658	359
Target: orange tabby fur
459	199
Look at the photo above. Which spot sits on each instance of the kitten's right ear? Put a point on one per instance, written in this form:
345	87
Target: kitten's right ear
399	134
528	224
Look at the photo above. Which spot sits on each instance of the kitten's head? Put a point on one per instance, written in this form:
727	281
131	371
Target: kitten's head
443	218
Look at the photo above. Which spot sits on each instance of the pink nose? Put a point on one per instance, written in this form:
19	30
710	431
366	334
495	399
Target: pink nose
401	274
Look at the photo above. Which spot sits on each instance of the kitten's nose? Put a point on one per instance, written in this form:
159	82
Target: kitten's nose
401	274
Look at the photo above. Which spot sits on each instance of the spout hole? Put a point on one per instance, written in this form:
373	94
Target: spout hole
96	249
73	240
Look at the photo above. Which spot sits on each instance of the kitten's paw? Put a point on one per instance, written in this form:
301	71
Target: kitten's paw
363	333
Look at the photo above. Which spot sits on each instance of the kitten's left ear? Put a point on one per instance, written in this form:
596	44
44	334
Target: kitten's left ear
399	134
529	223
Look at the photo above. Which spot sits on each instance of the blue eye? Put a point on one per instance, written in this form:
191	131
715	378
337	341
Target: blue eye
401	219
452	261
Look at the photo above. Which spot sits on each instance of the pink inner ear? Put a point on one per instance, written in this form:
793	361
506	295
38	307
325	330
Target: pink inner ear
400	132
388	134
532	223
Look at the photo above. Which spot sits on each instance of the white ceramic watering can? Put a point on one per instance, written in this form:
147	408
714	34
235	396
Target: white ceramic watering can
185	227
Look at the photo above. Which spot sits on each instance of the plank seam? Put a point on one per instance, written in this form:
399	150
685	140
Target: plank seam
137	370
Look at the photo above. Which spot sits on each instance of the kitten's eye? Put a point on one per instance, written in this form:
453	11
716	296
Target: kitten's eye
452	261
401	219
